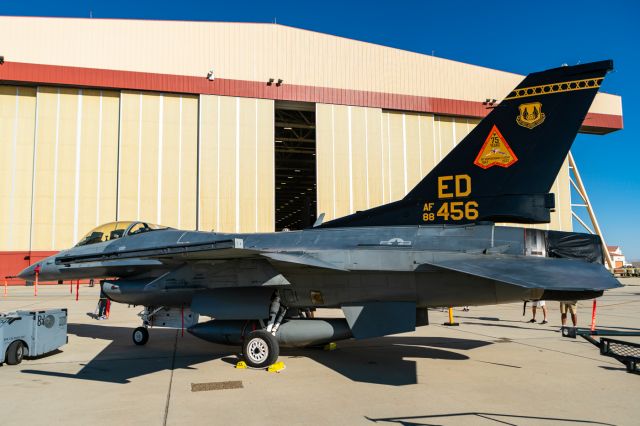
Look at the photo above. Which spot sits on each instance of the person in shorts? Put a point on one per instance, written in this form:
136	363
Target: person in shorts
569	306
534	307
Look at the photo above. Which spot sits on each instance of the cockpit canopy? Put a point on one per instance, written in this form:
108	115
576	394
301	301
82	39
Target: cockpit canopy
114	230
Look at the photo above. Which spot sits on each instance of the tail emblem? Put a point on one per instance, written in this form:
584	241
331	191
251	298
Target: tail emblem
531	115
495	151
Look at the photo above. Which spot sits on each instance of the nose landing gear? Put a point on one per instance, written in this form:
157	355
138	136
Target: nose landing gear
140	336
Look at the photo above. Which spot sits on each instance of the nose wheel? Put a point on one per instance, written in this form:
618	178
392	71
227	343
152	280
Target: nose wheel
140	336
260	349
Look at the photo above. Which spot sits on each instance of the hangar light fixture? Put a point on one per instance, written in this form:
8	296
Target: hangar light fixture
279	82
210	75
288	128
1	59
269	82
489	102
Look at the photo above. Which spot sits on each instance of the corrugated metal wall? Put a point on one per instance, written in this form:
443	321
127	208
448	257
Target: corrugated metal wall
158	158
74	180
102	156
17	127
237	191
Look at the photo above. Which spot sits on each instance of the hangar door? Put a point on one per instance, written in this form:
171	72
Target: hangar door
236	164
368	156
17	121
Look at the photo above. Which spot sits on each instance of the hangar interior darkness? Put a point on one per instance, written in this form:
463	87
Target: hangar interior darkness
295	165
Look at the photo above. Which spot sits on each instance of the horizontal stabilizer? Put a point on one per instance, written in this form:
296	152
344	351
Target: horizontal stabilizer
531	272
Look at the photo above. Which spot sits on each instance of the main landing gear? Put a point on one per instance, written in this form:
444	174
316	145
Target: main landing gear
260	348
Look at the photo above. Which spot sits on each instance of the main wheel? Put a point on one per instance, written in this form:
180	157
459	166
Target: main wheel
260	349
15	353
140	336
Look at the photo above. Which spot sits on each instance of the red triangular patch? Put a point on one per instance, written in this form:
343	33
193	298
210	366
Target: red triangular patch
495	151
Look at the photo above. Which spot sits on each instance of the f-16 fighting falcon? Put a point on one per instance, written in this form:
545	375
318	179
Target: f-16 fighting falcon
438	246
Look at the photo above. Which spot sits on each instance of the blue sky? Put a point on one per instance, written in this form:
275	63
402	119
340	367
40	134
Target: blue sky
513	36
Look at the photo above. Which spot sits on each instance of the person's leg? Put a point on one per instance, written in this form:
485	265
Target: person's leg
544	314
574	314
533	311
563	319
574	318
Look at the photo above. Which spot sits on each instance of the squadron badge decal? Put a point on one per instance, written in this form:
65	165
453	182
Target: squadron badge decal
495	151
531	115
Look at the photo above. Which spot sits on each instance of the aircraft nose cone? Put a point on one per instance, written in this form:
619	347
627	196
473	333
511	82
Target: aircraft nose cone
28	273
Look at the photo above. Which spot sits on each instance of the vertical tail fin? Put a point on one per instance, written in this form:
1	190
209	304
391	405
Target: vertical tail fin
504	169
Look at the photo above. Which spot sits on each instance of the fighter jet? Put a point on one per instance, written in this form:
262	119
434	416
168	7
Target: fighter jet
384	267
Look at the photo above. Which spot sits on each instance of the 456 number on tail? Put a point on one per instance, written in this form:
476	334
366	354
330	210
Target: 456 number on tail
458	210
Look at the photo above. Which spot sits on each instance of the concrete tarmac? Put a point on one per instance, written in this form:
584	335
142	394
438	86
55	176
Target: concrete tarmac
495	368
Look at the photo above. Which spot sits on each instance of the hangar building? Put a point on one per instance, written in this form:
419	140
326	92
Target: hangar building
236	127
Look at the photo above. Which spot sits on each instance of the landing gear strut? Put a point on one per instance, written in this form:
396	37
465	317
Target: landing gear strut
141	334
260	347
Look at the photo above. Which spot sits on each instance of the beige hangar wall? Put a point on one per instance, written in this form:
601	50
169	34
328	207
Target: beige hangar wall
101	156
75	164
237	191
158	158
17	124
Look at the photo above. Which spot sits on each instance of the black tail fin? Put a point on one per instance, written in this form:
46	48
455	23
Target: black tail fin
504	169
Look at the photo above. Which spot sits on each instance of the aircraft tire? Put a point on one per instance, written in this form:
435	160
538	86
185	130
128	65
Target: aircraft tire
140	336
15	353
260	349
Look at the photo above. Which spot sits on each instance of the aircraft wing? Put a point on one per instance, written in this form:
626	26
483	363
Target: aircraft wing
216	250
531	272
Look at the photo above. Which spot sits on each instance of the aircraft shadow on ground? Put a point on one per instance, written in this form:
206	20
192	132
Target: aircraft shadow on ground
387	360
472	417
523	327
381	360
121	360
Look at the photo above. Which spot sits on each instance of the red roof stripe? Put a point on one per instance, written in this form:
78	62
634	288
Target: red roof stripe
115	79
